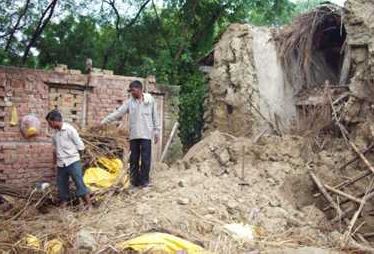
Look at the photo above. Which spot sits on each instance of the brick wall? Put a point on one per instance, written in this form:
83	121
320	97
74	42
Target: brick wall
83	99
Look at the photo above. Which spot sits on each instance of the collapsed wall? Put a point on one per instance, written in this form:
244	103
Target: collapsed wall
359	22
246	87
275	76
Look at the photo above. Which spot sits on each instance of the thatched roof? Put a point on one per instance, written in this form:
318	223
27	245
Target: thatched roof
299	47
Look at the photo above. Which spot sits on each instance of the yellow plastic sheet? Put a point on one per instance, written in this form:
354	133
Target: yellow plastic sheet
161	243
14	116
54	246
32	241
97	178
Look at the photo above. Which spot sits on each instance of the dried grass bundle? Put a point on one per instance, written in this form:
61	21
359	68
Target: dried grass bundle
303	65
109	141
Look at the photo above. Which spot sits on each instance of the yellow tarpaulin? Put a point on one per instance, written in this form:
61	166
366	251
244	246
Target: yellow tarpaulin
32	241
103	177
163	243
54	246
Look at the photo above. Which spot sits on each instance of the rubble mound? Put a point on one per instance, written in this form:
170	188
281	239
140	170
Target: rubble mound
221	180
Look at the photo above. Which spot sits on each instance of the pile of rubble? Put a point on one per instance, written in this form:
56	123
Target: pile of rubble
222	181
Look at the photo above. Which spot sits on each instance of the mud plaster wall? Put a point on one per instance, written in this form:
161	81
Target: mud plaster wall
277	102
246	79
34	91
359	23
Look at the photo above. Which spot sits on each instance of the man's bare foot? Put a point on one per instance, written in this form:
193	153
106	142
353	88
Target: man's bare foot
87	202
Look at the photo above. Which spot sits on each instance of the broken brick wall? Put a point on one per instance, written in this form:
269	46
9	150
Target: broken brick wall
84	101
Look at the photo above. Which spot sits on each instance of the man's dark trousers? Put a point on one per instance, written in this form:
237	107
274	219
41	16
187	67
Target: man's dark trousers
140	149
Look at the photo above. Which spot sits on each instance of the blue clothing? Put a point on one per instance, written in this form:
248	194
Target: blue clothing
74	171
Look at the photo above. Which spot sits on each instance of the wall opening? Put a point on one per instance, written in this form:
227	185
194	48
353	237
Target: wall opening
328	49
312	48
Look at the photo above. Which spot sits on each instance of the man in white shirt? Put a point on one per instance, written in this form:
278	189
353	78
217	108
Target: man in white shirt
144	126
68	147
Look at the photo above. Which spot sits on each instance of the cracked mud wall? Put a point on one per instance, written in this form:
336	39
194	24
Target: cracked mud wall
246	84
359	23
277	101
232	87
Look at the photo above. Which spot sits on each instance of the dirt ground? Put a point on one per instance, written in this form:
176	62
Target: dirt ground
197	196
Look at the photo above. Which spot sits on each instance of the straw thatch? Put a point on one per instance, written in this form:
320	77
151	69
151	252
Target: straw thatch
303	64
107	141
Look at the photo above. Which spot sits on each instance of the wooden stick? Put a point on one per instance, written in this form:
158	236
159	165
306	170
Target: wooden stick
347	234
347	183
344	214
362	157
358	212
171	136
271	124
351	208
342	202
360	247
371	234
257	138
324	192
341	193
362	238
368	149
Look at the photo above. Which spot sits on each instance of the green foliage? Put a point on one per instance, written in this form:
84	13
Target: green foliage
271	12
134	38
306	5
70	41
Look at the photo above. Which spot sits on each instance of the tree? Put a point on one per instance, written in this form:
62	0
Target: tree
166	41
